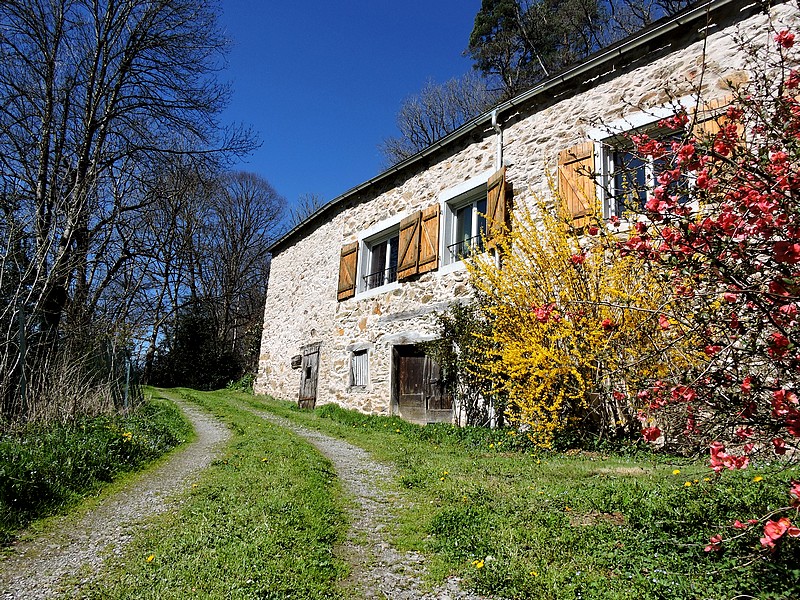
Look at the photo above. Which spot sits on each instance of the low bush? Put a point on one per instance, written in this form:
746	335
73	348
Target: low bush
48	466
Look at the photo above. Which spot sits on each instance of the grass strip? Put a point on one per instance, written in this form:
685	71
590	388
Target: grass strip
261	522
522	524
47	468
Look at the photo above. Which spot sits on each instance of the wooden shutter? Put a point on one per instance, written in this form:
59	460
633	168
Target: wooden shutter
575	184
429	239
408	246
348	266
709	118
496	207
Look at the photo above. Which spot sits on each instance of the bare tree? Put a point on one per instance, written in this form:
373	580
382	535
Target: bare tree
96	96
437	110
306	205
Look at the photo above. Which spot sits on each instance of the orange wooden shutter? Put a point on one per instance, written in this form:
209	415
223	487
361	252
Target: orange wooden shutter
429	239
496	207
408	246
711	117
348	266
575	184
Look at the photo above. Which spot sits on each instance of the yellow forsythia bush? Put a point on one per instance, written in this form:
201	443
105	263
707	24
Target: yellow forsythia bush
575	326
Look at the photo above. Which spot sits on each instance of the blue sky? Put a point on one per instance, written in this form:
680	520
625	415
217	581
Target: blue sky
320	82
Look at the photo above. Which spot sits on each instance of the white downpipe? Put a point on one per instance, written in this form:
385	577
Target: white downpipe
498	158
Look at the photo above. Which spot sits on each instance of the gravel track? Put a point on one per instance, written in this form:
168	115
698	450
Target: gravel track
77	548
378	570
37	566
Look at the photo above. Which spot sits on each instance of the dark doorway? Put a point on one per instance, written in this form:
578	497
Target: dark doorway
309	367
417	387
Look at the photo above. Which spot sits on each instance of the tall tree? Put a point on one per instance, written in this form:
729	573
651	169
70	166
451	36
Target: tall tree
435	111
515	43
96	96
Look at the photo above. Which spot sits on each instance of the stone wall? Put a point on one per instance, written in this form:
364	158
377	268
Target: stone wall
301	306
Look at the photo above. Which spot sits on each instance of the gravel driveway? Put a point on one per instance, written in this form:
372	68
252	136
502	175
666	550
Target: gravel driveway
36	567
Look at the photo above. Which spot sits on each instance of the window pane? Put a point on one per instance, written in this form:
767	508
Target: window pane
391	273
464	223
630	181
377	265
358	368
481	229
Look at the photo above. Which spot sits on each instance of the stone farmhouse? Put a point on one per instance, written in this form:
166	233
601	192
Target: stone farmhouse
354	289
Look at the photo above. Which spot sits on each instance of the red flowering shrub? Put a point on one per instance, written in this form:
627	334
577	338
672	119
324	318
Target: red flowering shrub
729	245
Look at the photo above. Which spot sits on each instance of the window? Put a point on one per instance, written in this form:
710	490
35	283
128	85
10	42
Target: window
359	368
465	225
379	266
630	178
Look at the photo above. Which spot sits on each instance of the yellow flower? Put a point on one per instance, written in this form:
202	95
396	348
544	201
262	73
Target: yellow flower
150	558
478	564
491	445
397	431
688	484
676	472
534	573
758	478
446	473
706	478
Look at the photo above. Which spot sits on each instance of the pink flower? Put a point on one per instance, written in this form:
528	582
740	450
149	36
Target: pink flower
715	543
737	524
775	530
779	446
794	493
785	39
663	322
651	434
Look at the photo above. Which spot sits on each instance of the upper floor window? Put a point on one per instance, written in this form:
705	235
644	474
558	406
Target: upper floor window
629	177
380	260
465	225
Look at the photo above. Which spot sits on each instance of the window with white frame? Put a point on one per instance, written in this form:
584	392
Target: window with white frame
379	260
630	177
465	224
359	368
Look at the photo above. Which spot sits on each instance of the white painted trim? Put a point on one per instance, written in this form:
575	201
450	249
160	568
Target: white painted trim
367	294
466	186
378	228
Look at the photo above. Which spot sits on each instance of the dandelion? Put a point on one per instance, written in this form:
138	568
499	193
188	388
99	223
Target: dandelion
676	472
687	484
757	478
491	445
397	431
150	558
264	459
478	564
534	574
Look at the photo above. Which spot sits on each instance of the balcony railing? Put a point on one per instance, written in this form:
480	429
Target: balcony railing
379	278
464	248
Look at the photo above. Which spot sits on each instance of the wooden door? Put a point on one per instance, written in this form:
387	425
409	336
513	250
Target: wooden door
309	368
419	394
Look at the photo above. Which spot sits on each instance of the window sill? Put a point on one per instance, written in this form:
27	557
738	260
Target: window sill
367	294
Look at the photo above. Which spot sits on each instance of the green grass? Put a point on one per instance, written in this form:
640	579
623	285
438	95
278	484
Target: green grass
261	522
575	525
47	468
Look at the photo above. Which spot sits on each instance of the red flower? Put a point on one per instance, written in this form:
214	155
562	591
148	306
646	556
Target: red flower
794	493
608	325
592	230
578	259
780	446
787	252
651	434
715	543
775	530
785	39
